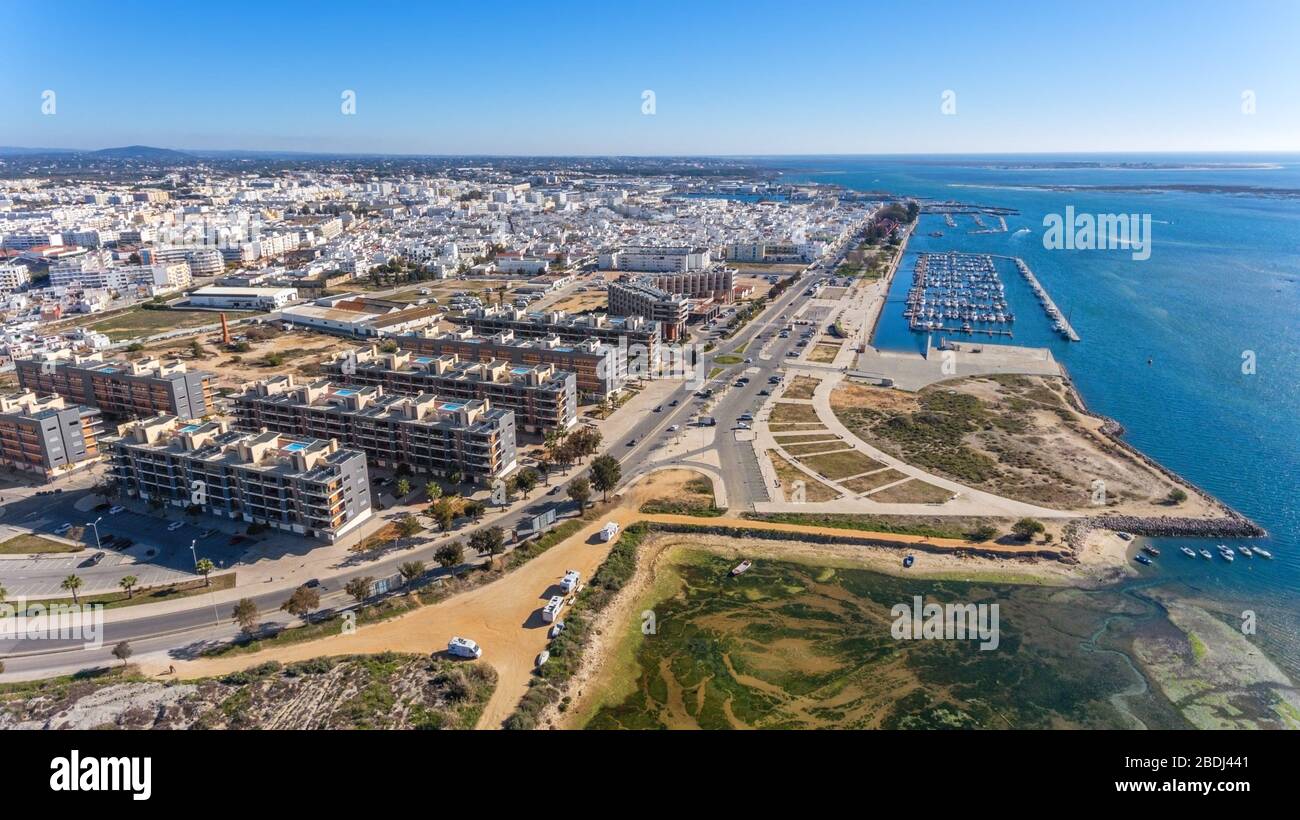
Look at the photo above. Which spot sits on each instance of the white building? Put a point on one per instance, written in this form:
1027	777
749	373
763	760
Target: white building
214	296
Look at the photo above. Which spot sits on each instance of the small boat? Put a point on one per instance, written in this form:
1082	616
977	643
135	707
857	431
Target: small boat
1227	556
543	658
1142	559
1206	555
1127	536
741	567
1263	553
908	561
1245	551
1150	550
1189	552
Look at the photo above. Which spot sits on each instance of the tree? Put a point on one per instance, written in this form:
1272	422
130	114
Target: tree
1027	528
544	465
488	540
302	602
1177	496
409	525
450	555
403	487
456	477
245	614
433	490
359	588
605	473
526	481
205	567
443	514
128	583
984	532
71	584
580	491
123	651
411	570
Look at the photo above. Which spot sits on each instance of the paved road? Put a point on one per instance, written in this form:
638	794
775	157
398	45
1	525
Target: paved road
189	631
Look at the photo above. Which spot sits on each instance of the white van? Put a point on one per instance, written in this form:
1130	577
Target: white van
464	648
552	609
570	581
608	531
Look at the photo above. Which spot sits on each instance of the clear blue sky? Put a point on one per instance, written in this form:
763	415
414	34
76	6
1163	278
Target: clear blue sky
729	78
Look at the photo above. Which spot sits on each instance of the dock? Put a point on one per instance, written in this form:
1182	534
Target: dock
1062	324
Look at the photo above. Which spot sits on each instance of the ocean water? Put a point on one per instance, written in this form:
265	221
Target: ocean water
1222	282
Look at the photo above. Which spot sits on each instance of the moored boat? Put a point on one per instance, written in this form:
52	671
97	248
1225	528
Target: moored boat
1189	552
741	567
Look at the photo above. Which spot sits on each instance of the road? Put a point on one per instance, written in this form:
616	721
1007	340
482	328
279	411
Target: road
188	631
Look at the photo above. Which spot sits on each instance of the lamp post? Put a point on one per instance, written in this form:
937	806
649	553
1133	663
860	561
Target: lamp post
193	553
95	525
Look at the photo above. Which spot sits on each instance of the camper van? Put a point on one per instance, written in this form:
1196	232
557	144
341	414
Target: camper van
569	582
464	648
608	531
552	609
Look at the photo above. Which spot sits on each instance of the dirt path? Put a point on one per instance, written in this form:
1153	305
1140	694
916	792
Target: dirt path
504	616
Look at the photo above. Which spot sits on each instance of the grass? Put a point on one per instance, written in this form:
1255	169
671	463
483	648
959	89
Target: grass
841	465
1199	649
823	447
35	544
148	595
805	427
697	501
871	481
137	321
727	359
823	354
715	371
912	492
796	439
814	490
785	412
801	387
929	527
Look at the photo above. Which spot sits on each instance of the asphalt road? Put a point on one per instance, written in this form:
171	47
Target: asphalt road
187	632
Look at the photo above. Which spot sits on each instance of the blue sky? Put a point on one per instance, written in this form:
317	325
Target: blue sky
729	78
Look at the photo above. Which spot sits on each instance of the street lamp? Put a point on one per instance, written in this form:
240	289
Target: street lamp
194	554
95	525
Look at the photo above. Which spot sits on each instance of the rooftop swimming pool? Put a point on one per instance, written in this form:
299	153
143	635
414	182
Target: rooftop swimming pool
295	447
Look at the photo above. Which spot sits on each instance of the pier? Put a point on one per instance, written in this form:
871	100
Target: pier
1061	324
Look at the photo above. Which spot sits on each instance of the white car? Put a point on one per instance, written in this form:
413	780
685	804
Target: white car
117	510
62	528
556	630
175	525
740	425
673	428
464	648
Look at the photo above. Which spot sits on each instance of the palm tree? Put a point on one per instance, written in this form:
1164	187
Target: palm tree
204	567
71	584
128	583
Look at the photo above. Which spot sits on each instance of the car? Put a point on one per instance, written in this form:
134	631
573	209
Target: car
672	403
96	558
124	543
791	353
175	525
554	490
740	383
208	533
313	583
62	528
115	510
631	442
740	425
673	428
749	361
659	408
746	417
556	630
765	392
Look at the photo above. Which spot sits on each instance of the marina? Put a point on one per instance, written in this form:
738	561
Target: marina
958	292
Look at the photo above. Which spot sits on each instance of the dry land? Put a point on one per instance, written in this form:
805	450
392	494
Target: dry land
35	544
788	474
787	412
801	387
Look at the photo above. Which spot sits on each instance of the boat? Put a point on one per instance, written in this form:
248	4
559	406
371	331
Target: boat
1245	551
1189	552
1227	556
741	567
1127	536
1142	559
909	560
1150	550
1206	555
1263	553
544	657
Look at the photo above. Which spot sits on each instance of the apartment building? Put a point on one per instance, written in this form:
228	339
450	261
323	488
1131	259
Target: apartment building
655	259
542	397
87	273
45	436
119	388
309	487
13	277
637	336
601	368
423	431
717	283
639	297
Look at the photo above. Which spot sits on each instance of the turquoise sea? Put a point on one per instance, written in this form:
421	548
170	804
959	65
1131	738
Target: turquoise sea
1223	279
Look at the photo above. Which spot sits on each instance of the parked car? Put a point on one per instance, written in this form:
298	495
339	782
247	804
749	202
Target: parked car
62	528
96	558
175	525
115	510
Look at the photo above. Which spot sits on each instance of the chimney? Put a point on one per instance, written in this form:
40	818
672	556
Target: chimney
225	331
